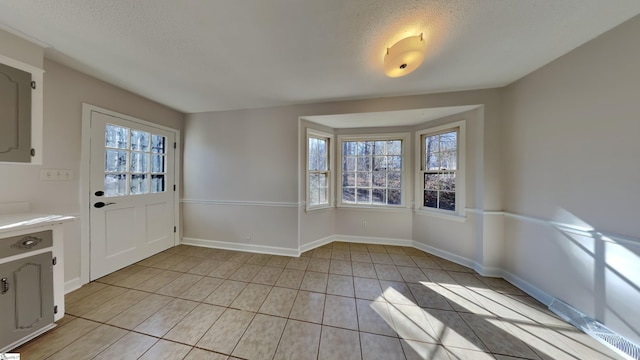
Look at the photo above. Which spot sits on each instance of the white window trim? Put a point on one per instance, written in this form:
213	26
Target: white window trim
406	159
330	164
460	172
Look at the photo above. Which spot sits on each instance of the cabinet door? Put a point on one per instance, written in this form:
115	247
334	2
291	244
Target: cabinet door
26	297
15	115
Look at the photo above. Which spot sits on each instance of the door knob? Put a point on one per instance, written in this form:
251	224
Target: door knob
99	193
100	204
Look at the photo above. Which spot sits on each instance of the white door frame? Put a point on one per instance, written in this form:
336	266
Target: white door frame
85	176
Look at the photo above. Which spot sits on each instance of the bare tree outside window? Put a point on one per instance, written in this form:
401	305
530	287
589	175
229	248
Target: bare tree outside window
135	162
440	164
372	172
318	166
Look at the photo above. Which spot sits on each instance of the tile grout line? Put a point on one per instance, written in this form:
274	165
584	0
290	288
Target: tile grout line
246	260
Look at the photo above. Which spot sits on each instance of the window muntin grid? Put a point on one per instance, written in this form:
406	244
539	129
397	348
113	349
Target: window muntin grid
439	169
318	170
135	162
372	172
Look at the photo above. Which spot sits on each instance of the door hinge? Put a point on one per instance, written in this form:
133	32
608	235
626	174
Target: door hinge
33	152
54	261
174	229
175	145
33	85
55	309
174	187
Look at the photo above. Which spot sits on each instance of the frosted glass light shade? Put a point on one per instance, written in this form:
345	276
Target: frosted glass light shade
404	56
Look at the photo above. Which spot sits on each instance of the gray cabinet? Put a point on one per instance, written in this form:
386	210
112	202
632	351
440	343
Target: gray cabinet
26	287
21	125
15	115
26	297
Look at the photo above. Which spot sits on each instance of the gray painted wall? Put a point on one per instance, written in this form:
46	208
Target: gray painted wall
570	155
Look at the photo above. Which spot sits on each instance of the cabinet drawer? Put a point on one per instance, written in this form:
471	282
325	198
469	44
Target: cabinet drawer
24	243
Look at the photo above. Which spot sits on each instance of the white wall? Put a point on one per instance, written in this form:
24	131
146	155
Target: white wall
379	224
241	166
64	92
232	184
571	146
453	235
316	226
19	49
390	224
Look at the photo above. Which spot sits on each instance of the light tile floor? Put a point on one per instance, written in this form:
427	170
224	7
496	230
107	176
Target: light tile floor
340	301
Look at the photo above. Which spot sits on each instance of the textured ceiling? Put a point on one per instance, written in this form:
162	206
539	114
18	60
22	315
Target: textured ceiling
208	55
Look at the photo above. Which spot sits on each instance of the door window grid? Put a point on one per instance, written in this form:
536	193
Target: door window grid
135	162
372	172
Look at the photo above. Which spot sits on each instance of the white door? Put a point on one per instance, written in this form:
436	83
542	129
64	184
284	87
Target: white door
132	192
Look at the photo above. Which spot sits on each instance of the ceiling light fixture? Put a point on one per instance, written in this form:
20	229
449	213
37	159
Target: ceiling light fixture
404	56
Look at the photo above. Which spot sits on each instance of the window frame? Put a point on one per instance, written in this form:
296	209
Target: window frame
312	133
405	178
460	127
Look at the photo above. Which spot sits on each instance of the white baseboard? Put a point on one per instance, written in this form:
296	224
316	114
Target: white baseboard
262	249
373	240
460	260
71	285
488	271
527	287
317	243
485	271
518	282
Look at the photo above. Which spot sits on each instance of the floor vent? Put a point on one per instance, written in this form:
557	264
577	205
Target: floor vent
595	329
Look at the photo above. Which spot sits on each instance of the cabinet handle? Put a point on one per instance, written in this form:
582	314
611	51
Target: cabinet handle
4	284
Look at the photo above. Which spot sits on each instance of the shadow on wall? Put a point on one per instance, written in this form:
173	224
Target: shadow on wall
610	265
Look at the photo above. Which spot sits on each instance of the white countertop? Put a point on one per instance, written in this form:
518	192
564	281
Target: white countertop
13	222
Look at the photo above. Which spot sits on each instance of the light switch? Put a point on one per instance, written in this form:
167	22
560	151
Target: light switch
56	174
46	175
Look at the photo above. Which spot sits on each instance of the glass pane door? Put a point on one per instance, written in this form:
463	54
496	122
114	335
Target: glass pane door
135	162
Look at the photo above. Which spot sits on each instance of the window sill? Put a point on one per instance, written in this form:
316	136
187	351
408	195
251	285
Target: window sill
374	208
445	216
318	208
